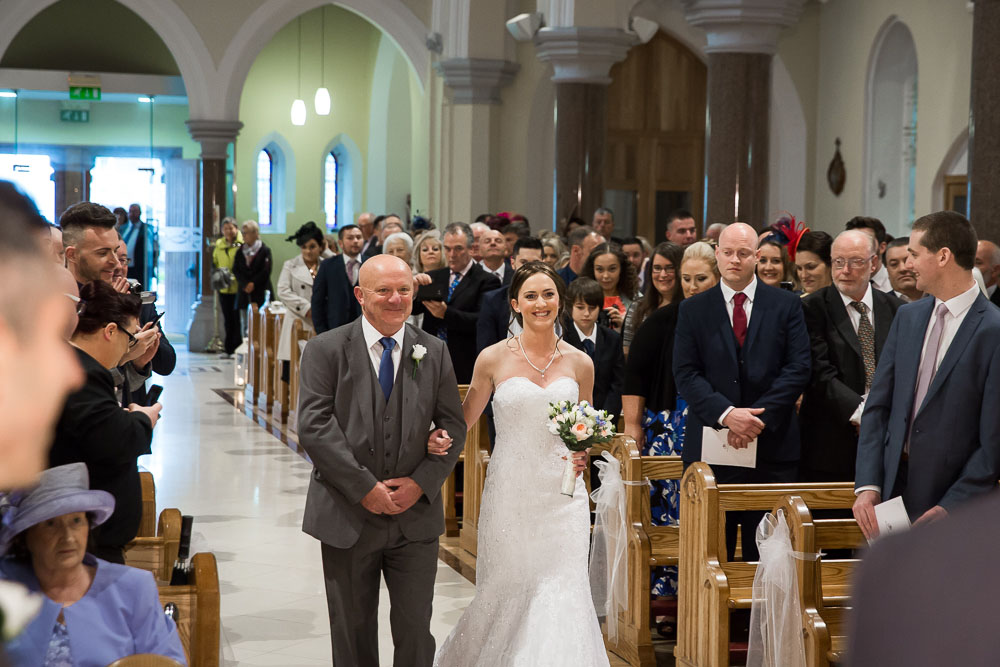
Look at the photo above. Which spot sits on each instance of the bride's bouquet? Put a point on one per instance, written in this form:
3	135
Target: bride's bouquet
579	426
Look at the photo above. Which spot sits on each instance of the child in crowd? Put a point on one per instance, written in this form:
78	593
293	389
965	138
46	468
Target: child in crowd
584	303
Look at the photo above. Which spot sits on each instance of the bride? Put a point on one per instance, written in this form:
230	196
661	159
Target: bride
533	603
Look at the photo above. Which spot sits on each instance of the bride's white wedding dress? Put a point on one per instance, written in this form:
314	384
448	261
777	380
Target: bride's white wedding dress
533	604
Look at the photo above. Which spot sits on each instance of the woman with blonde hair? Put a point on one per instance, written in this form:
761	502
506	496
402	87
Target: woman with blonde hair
428	254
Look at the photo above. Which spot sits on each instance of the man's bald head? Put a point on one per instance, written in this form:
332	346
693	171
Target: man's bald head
381	265
739	233
737	255
385	292
855	238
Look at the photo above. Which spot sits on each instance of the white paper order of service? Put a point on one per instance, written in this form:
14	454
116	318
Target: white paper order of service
716	450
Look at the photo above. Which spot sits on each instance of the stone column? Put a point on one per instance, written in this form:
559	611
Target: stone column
473	86
214	137
984	124
742	38
581	60
72	179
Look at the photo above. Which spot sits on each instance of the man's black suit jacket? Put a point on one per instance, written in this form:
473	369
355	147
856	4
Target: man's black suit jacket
461	315
333	300
494	318
829	440
770	371
93	429
609	365
995	297
257	272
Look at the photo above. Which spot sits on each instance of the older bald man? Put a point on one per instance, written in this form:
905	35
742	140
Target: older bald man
741	359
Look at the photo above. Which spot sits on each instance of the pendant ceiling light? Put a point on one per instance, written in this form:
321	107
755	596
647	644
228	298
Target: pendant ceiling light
322	101
299	105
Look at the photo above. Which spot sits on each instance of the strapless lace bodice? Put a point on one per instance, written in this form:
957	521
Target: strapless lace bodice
533	604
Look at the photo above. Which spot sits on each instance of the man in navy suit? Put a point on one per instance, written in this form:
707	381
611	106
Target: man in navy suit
333	302
495	323
741	359
930	431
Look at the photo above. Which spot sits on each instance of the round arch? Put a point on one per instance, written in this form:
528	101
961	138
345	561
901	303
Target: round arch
170	23
400	24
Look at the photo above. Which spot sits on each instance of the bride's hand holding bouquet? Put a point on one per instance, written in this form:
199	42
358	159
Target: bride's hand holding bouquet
580	426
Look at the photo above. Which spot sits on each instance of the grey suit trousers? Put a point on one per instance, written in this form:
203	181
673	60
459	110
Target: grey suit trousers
352	584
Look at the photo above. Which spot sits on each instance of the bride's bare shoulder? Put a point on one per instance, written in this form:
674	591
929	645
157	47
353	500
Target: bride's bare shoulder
572	354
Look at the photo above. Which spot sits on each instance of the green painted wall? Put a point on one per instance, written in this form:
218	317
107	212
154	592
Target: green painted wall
111	124
351	48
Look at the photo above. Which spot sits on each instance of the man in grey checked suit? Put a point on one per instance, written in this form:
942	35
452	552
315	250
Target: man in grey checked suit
367	400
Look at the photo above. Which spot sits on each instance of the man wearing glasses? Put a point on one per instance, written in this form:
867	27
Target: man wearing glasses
741	360
848	324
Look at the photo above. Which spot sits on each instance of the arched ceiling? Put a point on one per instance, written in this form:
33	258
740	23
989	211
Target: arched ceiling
90	36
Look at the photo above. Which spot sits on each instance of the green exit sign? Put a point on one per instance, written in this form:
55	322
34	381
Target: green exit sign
84	93
74	115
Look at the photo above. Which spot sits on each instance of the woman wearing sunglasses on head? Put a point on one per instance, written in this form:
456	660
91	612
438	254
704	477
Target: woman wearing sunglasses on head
93	429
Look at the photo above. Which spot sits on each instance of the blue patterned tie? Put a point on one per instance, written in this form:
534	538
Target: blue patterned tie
588	347
385	372
443	332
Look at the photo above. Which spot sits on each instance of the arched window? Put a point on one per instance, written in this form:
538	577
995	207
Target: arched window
330	182
265	187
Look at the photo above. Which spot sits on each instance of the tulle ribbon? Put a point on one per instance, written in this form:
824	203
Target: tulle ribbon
608	569
776	615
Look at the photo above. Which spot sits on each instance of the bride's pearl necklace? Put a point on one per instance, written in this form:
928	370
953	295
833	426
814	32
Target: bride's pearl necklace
541	371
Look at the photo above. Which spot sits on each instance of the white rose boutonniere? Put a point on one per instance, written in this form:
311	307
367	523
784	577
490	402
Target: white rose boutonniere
418	354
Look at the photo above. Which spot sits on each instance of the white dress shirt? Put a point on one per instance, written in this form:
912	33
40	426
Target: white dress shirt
881	280
592	337
853	313
499	273
958	308
373	339
727	294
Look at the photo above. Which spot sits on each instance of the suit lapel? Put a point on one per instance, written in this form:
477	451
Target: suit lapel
360	365
958	345
756	314
883	321
910	347
466	283
842	320
407	381
722	314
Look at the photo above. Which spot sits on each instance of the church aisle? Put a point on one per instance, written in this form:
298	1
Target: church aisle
246	491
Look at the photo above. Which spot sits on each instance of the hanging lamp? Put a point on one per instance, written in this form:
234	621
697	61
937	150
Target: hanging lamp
299	105
322	101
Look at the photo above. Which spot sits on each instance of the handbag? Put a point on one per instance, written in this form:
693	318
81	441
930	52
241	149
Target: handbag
222	278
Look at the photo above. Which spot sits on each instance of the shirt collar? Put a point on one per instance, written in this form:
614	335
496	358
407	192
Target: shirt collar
372	335
957	305
592	337
498	272
866	299
750	290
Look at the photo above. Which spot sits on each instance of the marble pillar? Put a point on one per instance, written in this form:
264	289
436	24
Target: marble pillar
736	163
581	131
984	122
741	39
468	125
214	137
581	59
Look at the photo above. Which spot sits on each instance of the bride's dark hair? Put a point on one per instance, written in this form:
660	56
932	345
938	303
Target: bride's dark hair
525	272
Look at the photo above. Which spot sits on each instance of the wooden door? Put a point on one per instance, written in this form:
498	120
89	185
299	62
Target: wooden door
655	158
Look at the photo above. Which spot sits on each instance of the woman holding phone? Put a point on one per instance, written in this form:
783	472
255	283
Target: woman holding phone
609	266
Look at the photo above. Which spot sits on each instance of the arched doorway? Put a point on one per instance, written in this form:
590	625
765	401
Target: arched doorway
656	136
891	129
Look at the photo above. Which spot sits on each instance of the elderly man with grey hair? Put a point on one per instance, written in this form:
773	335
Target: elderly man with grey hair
450	298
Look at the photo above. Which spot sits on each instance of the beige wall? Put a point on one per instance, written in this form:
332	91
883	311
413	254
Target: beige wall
942	31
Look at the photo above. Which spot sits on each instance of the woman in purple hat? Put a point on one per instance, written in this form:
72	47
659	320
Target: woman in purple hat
93	612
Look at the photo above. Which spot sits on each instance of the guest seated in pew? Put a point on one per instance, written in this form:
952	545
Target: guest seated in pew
654	414
93	612
93	428
741	359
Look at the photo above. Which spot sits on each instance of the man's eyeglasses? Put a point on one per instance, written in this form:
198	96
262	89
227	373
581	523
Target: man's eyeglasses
856	264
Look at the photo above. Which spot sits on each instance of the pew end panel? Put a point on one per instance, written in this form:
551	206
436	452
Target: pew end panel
147	524
157	554
199	621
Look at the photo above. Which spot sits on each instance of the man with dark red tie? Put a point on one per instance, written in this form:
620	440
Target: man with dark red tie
741	359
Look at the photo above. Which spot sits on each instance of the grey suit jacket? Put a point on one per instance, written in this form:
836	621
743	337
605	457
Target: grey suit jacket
336	429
